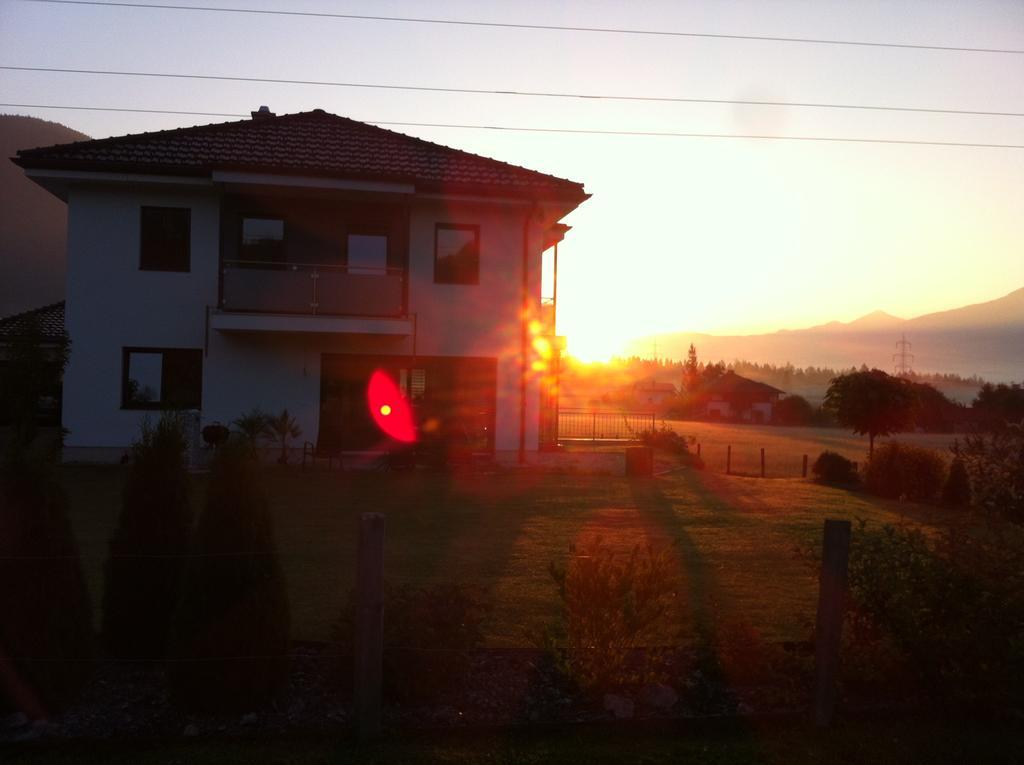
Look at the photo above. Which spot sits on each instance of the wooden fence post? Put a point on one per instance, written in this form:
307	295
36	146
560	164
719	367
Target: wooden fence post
369	637
803	471
762	462
831	605
728	460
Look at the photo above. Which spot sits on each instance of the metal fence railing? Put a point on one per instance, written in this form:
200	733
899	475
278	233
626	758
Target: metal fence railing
603	425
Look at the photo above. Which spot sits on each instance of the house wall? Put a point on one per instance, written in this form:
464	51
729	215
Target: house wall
111	305
719	409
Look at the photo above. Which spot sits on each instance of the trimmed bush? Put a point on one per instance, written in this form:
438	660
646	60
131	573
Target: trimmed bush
956	492
427	633
229	637
45	614
831	467
143	572
613	606
670	441
900	471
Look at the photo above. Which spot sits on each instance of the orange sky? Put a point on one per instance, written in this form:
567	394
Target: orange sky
712	235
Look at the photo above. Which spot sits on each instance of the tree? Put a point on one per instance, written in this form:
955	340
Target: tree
999	405
30	373
712	372
933	411
793	410
282	428
871	403
253	426
691	371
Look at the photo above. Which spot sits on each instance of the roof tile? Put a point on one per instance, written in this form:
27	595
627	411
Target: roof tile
50	318
314	143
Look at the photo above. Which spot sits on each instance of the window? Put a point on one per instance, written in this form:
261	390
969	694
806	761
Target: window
367	253
162	378
456	254
164	240
262	240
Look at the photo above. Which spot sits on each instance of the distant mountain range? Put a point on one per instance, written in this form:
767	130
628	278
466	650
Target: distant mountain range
986	339
33	223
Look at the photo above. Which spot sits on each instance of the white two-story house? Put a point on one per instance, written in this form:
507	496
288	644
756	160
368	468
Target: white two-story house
279	261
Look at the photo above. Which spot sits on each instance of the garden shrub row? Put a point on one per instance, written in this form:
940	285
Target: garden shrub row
942	615
901	471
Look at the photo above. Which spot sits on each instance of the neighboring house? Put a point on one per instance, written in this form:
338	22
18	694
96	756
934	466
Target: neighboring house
731	397
649	393
279	261
48	323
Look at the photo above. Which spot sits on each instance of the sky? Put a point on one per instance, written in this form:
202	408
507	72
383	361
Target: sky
726	236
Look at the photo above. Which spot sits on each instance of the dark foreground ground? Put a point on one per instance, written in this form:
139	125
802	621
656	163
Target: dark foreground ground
704	742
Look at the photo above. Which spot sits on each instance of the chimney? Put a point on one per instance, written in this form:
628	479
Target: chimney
263	113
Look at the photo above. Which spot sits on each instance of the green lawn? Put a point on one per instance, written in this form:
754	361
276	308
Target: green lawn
784	447
733	538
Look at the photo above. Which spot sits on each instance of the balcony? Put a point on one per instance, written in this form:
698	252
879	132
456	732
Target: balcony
311	297
312	289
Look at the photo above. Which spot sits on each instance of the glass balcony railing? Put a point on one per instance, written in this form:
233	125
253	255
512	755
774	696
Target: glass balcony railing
312	289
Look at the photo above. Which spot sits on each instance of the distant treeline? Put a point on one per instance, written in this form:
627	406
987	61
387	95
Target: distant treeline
783	376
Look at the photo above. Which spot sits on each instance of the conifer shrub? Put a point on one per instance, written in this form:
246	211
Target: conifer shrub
901	471
46	633
144	570
956	492
831	467
229	635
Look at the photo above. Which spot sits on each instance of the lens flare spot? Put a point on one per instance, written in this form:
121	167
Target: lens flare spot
389	408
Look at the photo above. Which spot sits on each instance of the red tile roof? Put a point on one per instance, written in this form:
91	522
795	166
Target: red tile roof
731	382
307	143
50	320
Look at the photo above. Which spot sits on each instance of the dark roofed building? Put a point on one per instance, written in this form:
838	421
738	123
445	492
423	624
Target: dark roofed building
652	393
731	397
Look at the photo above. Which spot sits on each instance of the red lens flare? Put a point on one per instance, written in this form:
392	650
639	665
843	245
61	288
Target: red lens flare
389	408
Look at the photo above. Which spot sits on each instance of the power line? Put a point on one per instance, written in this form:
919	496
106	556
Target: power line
496	92
575	131
545	27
